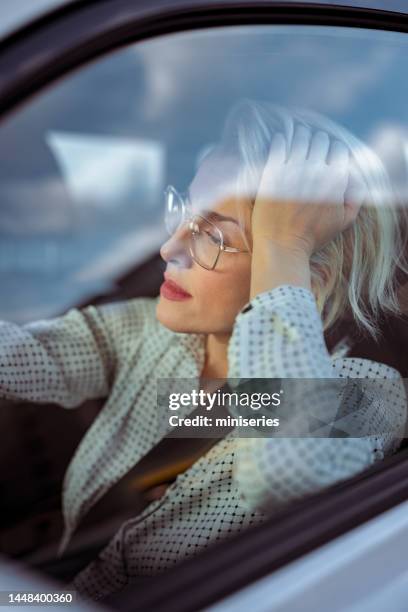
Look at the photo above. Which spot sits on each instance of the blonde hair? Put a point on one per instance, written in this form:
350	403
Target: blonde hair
356	271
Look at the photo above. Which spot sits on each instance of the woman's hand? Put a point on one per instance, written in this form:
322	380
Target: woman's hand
301	202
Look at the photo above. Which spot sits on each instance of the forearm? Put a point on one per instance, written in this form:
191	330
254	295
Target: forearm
63	360
105	574
282	337
274	265
272	472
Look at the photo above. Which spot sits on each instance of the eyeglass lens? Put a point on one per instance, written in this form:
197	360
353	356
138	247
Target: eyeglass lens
206	239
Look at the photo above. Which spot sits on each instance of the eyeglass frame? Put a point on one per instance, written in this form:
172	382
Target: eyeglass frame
186	205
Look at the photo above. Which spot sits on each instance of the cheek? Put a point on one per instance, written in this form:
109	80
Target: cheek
239	282
226	290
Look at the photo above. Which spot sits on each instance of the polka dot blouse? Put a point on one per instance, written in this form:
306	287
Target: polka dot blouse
118	351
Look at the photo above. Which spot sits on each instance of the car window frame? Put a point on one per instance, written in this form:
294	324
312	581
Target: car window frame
46	49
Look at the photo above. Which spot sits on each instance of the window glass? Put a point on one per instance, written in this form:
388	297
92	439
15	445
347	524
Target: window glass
84	166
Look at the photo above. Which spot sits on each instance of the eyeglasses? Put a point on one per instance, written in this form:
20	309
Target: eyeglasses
206	239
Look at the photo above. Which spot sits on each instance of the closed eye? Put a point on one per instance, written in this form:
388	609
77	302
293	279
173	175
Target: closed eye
213	238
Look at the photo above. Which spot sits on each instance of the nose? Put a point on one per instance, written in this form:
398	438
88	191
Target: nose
176	248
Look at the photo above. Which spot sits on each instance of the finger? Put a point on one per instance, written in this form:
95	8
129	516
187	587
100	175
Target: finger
300	144
351	210
338	155
319	147
336	175
356	192
277	151
276	158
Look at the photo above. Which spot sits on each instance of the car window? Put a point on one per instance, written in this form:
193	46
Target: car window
84	166
86	163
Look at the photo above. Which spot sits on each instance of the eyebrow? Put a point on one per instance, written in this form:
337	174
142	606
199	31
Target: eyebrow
212	215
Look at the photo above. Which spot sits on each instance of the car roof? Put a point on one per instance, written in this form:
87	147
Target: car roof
15	14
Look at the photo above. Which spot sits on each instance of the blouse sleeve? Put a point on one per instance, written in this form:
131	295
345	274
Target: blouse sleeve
279	334
106	574
71	358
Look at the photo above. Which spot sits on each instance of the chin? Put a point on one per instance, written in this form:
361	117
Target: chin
174	321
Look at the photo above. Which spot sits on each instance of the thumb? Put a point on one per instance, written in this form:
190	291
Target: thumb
355	195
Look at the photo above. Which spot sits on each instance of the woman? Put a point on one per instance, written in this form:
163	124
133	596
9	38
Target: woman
307	237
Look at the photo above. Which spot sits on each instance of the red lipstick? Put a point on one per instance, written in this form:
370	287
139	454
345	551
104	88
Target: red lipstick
172	291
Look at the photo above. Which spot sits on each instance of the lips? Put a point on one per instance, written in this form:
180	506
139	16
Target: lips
174	287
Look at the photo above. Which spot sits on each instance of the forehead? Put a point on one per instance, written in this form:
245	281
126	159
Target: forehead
214	185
